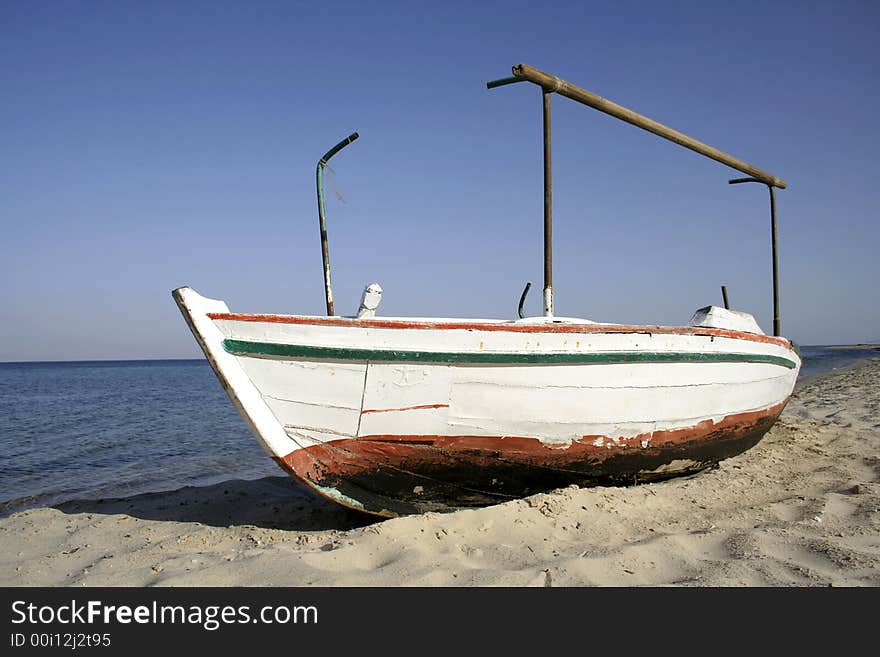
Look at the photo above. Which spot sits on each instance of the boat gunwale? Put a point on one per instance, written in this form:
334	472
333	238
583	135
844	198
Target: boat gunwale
503	326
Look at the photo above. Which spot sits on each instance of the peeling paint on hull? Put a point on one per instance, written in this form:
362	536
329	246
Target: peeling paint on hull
396	475
394	416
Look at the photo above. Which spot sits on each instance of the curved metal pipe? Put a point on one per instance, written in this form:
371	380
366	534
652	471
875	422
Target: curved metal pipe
325	249
522	300
777	322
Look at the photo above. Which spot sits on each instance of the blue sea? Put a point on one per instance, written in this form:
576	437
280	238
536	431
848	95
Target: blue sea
98	429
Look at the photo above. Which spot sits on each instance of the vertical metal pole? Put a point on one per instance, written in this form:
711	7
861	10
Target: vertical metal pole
724	296
548	211
777	330
325	249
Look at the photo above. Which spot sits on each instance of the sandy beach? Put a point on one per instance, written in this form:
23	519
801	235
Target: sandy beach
802	508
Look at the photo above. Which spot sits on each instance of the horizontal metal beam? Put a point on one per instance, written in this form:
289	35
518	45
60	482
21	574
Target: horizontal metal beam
551	83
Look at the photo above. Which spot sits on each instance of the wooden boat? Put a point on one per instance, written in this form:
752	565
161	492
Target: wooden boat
401	415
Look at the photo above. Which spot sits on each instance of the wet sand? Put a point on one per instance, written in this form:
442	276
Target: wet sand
802	508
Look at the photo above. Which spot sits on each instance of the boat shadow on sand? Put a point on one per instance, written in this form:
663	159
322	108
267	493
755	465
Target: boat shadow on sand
269	503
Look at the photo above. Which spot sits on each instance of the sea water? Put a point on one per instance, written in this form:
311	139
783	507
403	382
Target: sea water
117	428
95	429
821	359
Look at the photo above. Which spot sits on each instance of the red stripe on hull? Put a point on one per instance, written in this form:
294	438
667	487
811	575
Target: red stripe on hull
407	474
508	328
405	408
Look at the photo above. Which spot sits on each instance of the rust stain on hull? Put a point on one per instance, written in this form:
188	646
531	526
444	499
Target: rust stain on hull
397	475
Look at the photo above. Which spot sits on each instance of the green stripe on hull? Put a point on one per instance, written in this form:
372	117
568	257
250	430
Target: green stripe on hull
247	348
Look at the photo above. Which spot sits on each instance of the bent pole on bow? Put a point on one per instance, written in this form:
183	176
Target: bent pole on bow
325	248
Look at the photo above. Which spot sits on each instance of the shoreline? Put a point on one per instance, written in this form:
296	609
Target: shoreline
810	379
34	493
801	508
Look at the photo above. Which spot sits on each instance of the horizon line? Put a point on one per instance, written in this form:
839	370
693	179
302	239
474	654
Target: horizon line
96	360
202	358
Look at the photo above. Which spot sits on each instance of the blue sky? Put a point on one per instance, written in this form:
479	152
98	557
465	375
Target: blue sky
146	146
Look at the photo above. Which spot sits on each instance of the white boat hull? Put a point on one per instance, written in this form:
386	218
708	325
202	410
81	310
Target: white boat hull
397	416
